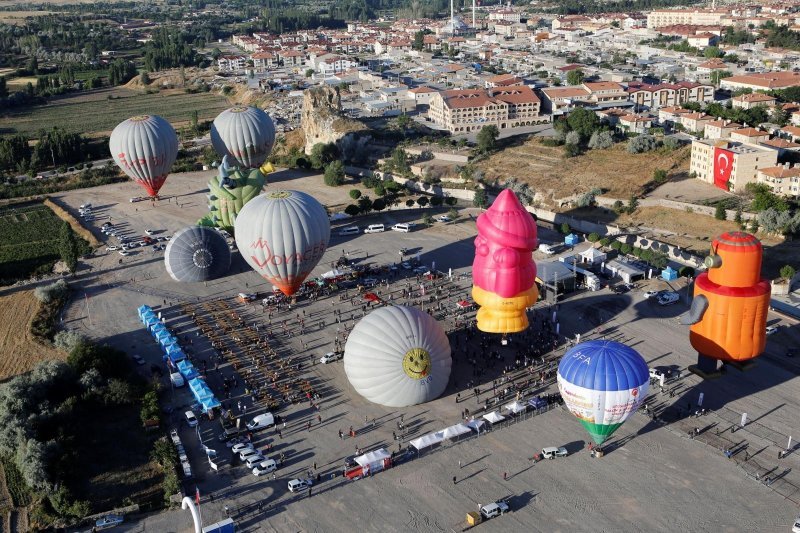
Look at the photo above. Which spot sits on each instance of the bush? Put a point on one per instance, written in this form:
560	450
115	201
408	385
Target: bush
67	340
660	176
593	237
605	241
642	144
719	212
572	137
600	140
436	201
453	214
410	202
334	174
572	150
51	292
427	219
616	245
480	199
369	182
355	194
633	203
618	207
564	228
671	143
422	201
587	199
379	204
787	272
365	204
351	210
686	272
626	248
451	200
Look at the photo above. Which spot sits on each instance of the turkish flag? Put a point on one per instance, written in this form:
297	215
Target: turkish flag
723	165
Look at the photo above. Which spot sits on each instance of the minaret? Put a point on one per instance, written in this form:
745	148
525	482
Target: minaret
473	14
452	18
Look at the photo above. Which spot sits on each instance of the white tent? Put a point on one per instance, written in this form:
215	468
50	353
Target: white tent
494	417
476	424
455	431
516	407
333	273
428	440
375	456
593	256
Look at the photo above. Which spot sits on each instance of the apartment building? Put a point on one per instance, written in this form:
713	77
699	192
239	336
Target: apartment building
729	165
562	99
762	81
468	110
749	101
231	63
635	123
719	129
695	122
784	180
693	17
669	94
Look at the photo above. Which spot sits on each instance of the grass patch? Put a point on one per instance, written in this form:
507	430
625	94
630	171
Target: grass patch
20	494
101	110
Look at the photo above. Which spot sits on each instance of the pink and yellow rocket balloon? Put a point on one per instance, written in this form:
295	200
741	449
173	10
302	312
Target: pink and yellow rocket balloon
503	273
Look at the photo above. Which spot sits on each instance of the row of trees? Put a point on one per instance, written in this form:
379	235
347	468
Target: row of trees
169	48
54	148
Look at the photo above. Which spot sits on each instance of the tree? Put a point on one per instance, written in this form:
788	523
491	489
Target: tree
422	201
487	138
659	176
108	361
712	52
144	77
403	121
419	40
584	121
564	228
355	194
436	201
352	210
764	198
779	115
309	72
774	221
787	272
410	202
379	204
626	248
322	154
334	173
480	199
588	198
572	150
633	203
427	219
398	162
719	212
600	140
641	144
68	247
452	213
572	137
365	204
575	77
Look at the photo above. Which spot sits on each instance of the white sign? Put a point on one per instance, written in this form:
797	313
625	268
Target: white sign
744	419
700	400
661	380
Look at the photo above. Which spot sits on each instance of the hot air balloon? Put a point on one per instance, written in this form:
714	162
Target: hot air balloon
246	134
197	254
398	356
503	273
602	383
728	317
283	235
145	147
229	191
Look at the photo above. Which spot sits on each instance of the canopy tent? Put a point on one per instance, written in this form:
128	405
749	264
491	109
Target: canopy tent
455	431
370	458
463	304
427	441
335	273
143	309
571	239
516	407
372	297
200	390
494	417
167	340
537	403
172	347
476	424
669	274
209	403
593	256
175	356
187	369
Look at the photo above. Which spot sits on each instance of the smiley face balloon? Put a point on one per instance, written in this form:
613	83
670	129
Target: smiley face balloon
398	356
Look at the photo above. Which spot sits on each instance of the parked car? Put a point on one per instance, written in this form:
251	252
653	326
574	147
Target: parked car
668	298
772	329
262	421
297	485
264	467
796	526
254	460
123	252
406	265
655	373
369	282
111	248
190	419
443	218
242	446
552	452
490	510
238	440
649	294
109	521
330	357
149	231
245	454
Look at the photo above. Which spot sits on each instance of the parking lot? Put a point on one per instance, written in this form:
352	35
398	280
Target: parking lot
676	473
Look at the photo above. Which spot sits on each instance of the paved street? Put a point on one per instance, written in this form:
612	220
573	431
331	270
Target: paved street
654	477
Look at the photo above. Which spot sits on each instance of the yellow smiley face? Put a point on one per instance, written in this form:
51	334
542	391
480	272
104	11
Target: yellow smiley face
417	363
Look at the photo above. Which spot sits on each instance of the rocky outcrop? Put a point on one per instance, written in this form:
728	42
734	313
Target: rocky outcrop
322	119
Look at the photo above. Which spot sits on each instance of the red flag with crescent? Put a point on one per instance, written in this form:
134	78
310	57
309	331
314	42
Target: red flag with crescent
723	165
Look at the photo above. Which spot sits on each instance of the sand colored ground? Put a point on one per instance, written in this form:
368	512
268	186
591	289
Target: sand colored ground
18	350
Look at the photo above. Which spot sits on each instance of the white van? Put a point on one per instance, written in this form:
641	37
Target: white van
350	230
405	228
547	249
177	380
261	422
552	452
374	228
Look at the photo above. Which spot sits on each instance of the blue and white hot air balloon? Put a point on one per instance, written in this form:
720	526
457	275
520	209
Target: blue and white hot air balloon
602	383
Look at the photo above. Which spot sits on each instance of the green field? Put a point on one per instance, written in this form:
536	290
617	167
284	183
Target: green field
29	240
94	112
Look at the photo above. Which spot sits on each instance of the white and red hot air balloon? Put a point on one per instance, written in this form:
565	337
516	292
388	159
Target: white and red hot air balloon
145	147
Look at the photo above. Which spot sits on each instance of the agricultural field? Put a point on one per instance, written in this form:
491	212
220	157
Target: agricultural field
98	112
19	352
29	234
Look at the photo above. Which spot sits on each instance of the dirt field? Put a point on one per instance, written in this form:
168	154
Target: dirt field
19	83
20	352
101	110
617	172
18	17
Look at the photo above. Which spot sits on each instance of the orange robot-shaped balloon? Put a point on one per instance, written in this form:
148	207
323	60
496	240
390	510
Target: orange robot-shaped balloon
729	313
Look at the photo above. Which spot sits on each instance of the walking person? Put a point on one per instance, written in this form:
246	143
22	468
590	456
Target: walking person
505	476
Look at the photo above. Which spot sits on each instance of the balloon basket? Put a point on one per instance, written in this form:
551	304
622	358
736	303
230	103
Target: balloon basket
706	368
597	452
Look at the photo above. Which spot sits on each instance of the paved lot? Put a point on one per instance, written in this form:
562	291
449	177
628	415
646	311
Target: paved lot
654	478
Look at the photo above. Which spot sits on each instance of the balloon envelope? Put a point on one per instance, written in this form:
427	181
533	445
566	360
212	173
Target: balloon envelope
145	147
398	356
602	383
197	254
245	134
282	235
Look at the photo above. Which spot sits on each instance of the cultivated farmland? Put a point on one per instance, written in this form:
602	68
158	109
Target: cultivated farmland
99	111
19	352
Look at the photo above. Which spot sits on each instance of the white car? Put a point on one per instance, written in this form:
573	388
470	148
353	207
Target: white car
296	485
190	419
444	218
657	374
265	467
242	446
253	460
552	452
149	231
330	357
772	330
490	510
649	294
238	440
122	252
250	452
796	526
111	248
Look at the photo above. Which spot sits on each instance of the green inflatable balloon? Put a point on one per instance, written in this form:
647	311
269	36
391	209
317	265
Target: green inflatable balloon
229	192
